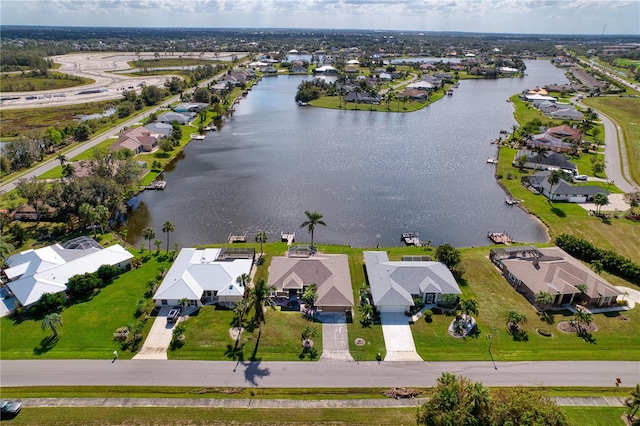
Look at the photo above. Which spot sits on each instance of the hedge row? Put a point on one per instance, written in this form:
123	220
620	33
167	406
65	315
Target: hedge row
611	261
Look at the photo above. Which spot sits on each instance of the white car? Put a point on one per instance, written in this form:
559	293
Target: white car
581	177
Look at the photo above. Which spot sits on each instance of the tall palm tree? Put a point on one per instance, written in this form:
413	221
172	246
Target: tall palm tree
261	237
260	300
553	179
514	319
62	159
633	402
243	280
583	319
149	234
313	219
540	152
167	228
514	129
600	199
469	307
52	321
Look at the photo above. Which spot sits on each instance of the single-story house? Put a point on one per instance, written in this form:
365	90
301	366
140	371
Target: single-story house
421	85
159	130
548	160
204	276
532	270
330	273
566	114
326	69
415	94
394	284
558	139
537	97
28	212
298	69
138	140
362	98
170	117
32	273
562	191
189	107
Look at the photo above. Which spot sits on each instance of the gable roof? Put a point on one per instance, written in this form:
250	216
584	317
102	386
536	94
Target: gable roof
540	180
329	272
394	282
197	270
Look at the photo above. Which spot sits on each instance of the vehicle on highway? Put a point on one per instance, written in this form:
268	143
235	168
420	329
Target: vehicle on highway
10	409
174	314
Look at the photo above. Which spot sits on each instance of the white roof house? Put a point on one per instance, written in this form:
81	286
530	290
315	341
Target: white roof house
47	270
420	85
394	284
200	276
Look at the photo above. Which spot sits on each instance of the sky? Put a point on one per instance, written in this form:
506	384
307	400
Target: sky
490	16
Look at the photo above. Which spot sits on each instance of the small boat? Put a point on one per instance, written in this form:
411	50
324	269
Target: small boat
410	238
492	161
210	128
511	201
300	103
197	137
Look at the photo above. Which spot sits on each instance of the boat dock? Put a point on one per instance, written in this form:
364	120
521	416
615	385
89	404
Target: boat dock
197	137
289	237
500	238
156	184
237	238
410	238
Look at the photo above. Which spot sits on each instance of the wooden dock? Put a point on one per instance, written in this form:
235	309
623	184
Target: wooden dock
156	184
410	238
500	238
237	238
289	237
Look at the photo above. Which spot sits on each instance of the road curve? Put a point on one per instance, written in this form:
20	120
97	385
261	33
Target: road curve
334	374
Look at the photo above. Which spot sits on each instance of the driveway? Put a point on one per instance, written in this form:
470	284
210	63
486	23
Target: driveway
159	338
398	338
335	339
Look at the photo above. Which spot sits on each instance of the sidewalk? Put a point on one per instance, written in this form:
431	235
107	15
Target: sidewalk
277	403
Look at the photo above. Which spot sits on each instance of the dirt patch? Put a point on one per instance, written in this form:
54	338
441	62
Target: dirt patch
571	327
359	341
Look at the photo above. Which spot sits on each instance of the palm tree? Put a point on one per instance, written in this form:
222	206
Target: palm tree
51	321
62	159
243	280
68	170
582	318
261	237
553	179
514	129
469	307
544	298
540	152
313	219
149	234
240	309
596	266
514	319
600	199
633	402
310	294
157	243
260	300
167	228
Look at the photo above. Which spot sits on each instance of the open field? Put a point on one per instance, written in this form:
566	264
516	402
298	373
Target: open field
54	81
173	61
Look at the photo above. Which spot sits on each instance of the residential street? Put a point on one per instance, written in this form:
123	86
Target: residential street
334	374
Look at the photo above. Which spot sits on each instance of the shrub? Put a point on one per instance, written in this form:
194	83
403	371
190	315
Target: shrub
107	273
428	314
544	332
50	302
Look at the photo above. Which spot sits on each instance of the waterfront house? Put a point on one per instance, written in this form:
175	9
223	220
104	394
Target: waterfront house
557	139
138	140
421	85
568	113
170	117
395	284
562	191
290	276
532	270
415	94
31	273
159	130
204	276
548	160
362	98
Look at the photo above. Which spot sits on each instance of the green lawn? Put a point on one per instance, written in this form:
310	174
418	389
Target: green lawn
55	80
87	330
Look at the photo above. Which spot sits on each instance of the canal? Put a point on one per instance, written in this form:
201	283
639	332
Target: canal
373	175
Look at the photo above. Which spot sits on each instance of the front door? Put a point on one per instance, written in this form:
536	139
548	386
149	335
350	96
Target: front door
429	298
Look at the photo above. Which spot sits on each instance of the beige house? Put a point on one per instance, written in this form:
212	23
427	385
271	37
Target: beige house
290	276
531	270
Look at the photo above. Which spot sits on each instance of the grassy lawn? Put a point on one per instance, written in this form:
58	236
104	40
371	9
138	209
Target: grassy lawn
620	235
87	330
625	111
55	80
614	340
586	416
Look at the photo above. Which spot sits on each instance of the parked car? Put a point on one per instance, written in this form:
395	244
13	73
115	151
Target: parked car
174	314
10	409
581	177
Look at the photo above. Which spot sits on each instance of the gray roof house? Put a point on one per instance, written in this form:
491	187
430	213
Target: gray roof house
290	275
170	117
547	160
563	191
566	114
159	130
394	284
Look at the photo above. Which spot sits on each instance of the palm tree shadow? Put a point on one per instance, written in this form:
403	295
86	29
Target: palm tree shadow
558	212
45	345
252	372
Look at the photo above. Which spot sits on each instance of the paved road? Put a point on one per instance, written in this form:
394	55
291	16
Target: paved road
310	374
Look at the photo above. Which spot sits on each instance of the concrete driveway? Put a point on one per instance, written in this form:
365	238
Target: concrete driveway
159	338
398	338
335	339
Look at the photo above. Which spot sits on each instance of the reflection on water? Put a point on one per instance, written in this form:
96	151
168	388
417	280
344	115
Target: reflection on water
372	175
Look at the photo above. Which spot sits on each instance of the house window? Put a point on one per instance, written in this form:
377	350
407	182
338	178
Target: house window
215	293
607	300
164	302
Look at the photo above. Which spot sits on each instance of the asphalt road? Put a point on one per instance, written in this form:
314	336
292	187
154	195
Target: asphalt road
330	374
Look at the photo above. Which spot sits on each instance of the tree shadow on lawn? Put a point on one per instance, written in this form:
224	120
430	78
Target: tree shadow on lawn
235	352
45	345
558	212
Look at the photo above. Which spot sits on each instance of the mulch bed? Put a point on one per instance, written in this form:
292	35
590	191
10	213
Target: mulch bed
567	327
359	341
